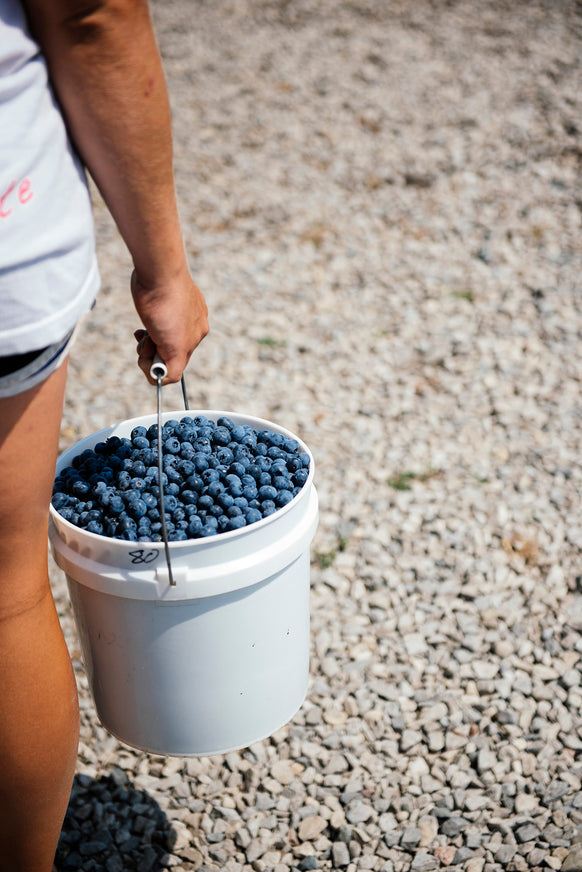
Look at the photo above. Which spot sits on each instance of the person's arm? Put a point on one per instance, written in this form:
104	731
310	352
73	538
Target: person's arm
107	73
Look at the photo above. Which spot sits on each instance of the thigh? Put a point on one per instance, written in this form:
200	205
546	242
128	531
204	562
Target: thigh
29	437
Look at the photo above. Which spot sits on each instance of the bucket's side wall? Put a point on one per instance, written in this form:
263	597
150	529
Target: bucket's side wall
201	676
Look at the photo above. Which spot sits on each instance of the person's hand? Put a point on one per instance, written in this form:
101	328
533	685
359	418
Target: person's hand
175	318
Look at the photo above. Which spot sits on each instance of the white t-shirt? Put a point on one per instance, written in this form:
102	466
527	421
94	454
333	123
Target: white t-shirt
48	267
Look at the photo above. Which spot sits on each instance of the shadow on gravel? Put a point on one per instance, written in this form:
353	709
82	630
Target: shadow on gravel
114	827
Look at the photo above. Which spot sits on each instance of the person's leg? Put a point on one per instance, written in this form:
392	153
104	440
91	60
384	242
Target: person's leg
39	719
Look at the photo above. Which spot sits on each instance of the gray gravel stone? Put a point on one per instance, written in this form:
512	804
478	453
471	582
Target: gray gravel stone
340	854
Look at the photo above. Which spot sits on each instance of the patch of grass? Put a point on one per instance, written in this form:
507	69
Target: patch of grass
403	480
271	342
467	295
325	559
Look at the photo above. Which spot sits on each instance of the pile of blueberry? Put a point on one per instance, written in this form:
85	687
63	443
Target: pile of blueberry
217	476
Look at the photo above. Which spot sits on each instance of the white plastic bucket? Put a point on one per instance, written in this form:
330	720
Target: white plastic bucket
217	661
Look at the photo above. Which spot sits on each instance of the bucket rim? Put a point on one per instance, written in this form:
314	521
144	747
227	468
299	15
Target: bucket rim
200	542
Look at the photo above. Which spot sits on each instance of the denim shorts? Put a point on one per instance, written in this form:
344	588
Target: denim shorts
20	372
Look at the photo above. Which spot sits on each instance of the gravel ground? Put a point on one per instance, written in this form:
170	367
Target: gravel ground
382	203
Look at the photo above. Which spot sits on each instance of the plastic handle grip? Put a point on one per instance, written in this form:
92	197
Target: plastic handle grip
158	368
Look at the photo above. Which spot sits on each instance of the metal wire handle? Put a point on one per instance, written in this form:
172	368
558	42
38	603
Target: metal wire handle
159	371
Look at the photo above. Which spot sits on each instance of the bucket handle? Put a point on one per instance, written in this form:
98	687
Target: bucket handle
159	371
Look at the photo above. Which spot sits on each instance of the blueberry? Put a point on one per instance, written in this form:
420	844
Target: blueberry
215	488
236	522
112	444
225	422
304	458
195	483
281	482
254	471
224	456
267	492
178	536
205	502
137	509
264	479
250	492
268	507
186	467
221	436
146	456
170	502
208	530
95	527
200	461
210	475
194	526
300	477
138	433
59	500
169	426
283	497
184	431
128	535
189	497
81	488
236	468
126	524
172	445
225	500
174	475
116	505
242	455
186	450
203	445
252	515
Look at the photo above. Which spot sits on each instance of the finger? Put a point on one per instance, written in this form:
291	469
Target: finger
146	351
